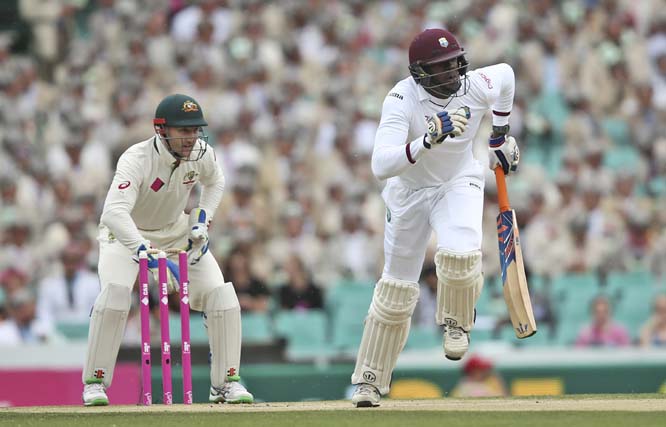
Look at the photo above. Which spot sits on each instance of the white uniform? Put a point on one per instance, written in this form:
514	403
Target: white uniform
440	188
437	189
146	200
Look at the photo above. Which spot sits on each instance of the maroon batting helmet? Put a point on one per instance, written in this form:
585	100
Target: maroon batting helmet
437	62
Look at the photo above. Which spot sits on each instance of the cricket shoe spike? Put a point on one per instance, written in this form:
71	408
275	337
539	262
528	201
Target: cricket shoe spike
456	342
95	395
231	392
366	396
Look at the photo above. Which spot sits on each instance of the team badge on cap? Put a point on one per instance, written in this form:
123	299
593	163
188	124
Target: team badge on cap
443	42
189	106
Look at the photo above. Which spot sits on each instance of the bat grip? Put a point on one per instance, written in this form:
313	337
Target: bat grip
502	195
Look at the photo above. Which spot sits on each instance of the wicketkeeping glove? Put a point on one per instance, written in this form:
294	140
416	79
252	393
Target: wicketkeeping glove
446	123
173	273
504	152
197	242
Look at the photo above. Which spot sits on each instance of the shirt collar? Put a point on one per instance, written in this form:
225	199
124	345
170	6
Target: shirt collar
423	95
162	152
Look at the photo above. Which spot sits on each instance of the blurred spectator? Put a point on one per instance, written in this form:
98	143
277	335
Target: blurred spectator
293	89
653	332
351	246
17	249
8	333
540	235
13	280
186	22
253	294
603	331
23	319
295	239
582	252
69	294
299	292
479	379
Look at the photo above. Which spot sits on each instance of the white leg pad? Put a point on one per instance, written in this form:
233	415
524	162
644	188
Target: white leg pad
459	285
107	326
385	333
222	313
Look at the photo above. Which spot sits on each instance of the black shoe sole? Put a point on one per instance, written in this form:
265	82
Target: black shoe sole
366	404
452	358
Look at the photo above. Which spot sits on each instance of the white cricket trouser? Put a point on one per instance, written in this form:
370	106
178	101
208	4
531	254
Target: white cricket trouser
454	210
117	266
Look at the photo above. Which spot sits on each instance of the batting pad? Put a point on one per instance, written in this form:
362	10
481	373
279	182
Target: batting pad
459	285
107	325
385	332
223	318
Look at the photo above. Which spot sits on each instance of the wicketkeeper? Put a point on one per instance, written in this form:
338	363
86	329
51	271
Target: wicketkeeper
423	148
144	208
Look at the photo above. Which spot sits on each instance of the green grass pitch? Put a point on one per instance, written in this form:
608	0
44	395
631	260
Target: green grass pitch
638	410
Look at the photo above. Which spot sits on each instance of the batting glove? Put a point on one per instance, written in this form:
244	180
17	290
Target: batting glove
446	123
504	152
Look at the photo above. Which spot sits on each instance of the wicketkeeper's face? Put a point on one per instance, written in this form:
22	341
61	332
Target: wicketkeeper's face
183	139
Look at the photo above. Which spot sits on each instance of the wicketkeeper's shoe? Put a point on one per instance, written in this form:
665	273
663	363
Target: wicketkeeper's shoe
456	342
366	396
95	395
231	392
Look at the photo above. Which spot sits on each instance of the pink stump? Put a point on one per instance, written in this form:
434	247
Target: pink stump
185	327
164	329
146	368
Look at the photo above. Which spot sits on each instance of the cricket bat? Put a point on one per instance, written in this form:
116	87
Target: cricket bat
514	282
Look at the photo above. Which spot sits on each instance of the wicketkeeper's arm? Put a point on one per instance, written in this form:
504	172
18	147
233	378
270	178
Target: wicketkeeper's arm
212	181
119	203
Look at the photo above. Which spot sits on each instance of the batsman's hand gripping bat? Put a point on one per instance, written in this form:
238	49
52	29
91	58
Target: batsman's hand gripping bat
516	293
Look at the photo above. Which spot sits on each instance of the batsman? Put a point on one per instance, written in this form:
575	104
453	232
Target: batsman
144	208
423	148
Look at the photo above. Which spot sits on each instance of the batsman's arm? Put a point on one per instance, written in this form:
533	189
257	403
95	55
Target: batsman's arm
392	153
499	84
120	200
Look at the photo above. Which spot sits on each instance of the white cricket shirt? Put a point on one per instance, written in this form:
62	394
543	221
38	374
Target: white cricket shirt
399	152
148	193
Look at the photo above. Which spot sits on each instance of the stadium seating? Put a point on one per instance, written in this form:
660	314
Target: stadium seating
305	332
348	304
257	327
73	330
424	338
198	331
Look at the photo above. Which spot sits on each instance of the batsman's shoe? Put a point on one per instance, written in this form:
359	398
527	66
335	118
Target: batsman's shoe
231	392
95	395
456	342
366	396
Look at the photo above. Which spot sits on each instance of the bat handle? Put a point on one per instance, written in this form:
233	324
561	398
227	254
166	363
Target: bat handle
502	195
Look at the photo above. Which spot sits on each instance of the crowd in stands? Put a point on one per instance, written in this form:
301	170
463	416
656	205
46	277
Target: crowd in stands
293	92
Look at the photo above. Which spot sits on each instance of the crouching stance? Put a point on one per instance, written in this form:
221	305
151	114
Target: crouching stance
144	209
423	149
